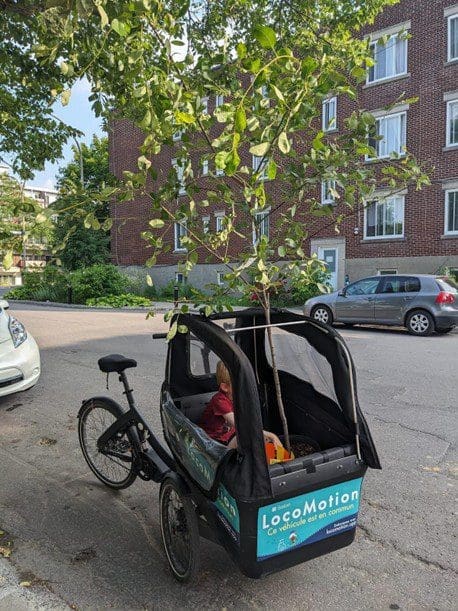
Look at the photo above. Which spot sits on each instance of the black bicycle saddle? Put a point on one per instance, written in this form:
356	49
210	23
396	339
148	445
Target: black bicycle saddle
115	362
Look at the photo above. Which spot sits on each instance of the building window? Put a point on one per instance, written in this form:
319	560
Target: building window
452	38
206	224
180	278
261	225
220	278
387	272
204	167
452	123
204	103
179	170
177	135
260	166
330	114
451	212
328	188
219	101
219	172
390	57
384	218
389	135
181	231
220	216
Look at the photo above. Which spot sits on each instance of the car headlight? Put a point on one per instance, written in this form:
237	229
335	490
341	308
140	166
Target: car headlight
18	332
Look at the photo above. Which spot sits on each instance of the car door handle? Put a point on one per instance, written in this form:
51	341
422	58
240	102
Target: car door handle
408	298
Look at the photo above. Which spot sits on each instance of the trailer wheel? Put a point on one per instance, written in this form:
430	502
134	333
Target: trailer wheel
180	531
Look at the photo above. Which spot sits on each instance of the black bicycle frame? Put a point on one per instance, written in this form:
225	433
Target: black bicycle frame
153	462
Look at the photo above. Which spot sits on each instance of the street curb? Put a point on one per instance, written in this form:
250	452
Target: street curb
156	307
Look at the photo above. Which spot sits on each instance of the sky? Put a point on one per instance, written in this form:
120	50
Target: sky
78	114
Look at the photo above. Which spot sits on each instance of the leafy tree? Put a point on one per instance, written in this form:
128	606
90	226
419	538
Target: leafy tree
82	231
19	228
274	61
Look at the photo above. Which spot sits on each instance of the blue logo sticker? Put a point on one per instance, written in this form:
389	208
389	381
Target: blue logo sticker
228	512
307	518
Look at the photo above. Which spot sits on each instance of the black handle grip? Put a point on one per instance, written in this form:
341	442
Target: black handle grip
159	335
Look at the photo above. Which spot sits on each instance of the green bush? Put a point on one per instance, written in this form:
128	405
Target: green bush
97	281
51	284
185	291
301	290
119	301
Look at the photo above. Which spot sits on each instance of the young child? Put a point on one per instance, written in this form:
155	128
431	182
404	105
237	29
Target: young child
218	417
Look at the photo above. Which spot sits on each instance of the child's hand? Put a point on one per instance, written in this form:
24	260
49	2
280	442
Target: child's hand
272	438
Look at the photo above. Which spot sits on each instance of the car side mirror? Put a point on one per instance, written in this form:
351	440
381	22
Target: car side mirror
342	292
4	305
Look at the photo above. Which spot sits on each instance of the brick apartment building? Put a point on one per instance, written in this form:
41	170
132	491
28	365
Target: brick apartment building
410	232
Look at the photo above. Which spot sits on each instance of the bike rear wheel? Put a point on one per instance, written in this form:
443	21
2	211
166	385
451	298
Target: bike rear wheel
114	465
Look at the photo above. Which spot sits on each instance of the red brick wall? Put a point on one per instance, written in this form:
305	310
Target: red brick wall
429	78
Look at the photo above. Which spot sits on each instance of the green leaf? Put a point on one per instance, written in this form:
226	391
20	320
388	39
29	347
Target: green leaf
64	67
103	16
8	260
65	97
277	92
41	218
240	120
172	331
149	280
156	223
317	143
121	28
281	251
283	143
184	118
241	50
271	171
260	149
265	36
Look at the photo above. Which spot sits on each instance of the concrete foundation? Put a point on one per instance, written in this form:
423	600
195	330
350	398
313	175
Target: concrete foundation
359	268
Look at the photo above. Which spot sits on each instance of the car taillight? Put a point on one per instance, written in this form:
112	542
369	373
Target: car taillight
445	297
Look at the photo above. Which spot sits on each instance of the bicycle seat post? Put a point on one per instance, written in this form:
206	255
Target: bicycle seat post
127	391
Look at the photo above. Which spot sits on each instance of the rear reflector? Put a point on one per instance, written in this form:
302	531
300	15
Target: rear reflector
445	297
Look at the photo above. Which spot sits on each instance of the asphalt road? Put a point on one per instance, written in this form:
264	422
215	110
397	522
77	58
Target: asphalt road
92	547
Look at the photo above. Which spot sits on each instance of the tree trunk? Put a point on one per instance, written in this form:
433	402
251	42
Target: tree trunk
281	407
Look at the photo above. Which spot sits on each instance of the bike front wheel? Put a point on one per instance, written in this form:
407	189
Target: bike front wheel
114	464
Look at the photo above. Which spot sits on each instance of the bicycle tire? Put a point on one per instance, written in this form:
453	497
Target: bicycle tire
113	472
179	530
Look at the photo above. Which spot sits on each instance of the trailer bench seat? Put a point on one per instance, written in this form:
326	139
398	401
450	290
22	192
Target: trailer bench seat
192	406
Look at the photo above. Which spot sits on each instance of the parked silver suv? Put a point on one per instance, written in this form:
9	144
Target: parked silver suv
421	303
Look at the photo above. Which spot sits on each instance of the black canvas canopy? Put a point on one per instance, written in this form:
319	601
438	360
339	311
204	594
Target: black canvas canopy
320	399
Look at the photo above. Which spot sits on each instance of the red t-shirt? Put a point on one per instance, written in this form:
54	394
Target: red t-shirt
212	420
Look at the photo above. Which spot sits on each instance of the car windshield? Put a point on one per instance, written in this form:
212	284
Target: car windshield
447	284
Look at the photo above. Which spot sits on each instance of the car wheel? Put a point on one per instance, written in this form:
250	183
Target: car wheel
443	331
323	314
420	322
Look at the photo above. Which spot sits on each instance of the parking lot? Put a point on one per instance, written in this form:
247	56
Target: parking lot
90	546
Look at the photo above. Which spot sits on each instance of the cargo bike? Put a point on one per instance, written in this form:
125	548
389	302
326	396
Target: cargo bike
268	517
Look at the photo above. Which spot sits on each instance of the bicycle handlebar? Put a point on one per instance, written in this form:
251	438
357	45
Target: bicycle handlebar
159	335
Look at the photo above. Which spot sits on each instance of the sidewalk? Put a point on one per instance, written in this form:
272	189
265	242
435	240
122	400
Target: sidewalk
14	597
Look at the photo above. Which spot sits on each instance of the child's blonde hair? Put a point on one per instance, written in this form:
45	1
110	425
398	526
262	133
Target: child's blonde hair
222	374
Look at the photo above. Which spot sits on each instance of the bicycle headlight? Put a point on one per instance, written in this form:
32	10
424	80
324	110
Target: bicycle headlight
18	332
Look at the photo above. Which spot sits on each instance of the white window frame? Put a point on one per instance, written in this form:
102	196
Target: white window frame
176	137
256	162
179	169
451	102
374	43
219	100
327	201
379	202
446	216
178	234
263	226
219	219
451	18
204	167
402	135
206	224
329	124
183	280
219	172
220	278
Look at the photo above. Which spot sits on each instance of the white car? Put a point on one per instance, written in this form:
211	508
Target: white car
19	354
